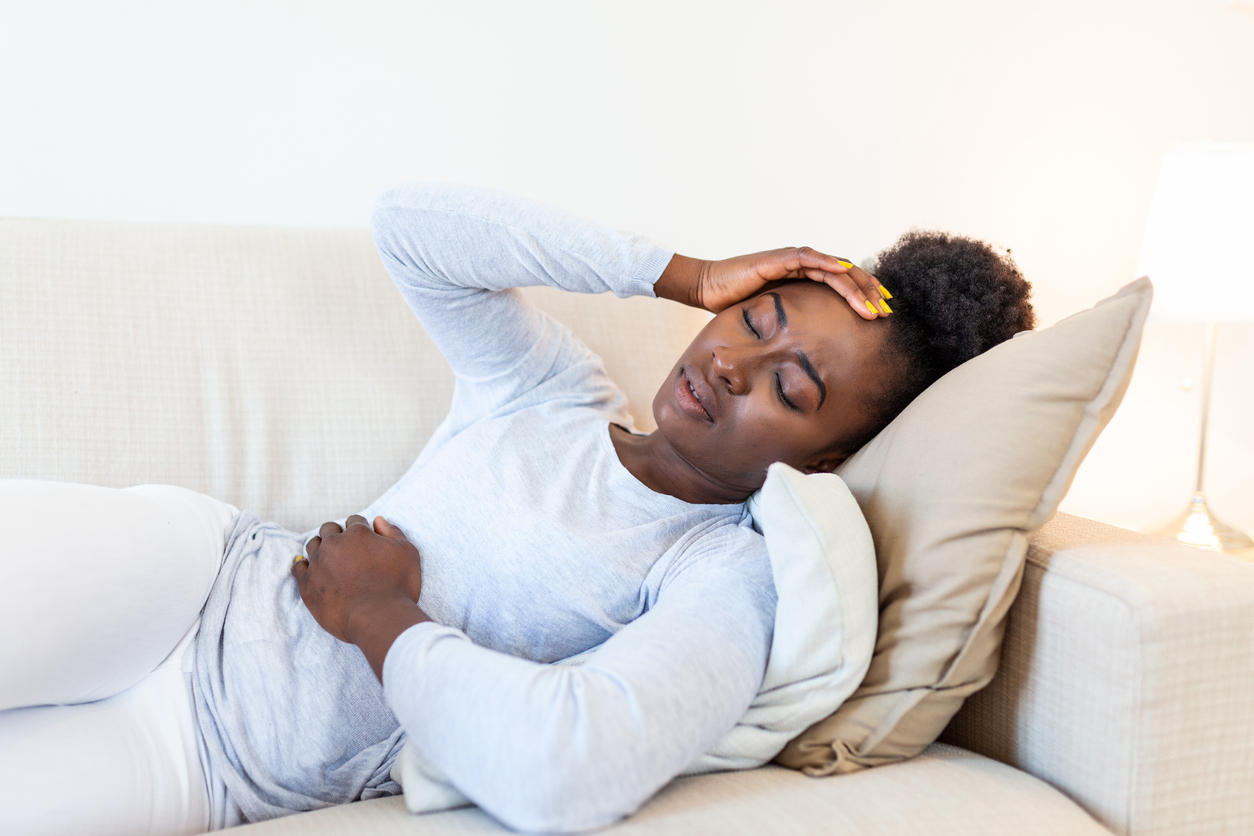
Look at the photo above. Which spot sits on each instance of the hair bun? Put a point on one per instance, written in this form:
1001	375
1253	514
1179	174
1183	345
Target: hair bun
953	298
959	295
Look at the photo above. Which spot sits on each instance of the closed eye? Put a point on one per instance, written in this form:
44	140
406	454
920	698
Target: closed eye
779	387
744	314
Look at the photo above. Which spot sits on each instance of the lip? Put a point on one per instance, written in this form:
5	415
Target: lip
697	402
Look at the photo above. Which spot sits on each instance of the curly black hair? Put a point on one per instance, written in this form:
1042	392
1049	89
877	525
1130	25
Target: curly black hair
953	298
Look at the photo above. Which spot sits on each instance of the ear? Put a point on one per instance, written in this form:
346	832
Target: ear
825	462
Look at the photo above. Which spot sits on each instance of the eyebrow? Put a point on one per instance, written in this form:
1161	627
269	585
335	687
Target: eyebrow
806	365
818	381
779	309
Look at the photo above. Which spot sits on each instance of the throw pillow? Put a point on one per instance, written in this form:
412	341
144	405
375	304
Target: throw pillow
823	566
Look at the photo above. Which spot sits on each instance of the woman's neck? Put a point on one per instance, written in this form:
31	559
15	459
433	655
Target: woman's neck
653	461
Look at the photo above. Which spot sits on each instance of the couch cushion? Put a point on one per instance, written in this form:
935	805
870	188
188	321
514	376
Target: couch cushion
275	369
952	490
945	791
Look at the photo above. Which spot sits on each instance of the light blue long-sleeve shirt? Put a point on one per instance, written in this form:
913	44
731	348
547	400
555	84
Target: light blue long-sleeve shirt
536	543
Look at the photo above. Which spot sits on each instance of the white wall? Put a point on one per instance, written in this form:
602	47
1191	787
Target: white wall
716	127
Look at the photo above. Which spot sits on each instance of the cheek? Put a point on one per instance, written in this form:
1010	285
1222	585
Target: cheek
760	437
740	447
786	436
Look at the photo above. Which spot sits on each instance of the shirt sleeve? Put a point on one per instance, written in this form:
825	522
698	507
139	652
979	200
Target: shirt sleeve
457	253
570	748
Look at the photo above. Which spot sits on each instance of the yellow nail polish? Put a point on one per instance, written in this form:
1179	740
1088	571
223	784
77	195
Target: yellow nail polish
885	293
884	305
870	307
844	262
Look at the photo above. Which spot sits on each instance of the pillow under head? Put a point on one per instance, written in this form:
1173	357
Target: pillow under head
952	490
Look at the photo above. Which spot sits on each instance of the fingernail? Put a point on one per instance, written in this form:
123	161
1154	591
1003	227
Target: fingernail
884	292
870	307
844	262
297	559
884	305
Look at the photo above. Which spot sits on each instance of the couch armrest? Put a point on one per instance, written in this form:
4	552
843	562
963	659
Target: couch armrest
1127	681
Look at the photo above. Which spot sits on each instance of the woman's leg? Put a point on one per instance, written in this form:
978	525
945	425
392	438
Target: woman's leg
120	766
97	585
100	590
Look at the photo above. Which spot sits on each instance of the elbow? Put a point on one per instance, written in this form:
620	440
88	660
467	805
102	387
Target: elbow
397	247
565	795
396	205
382	215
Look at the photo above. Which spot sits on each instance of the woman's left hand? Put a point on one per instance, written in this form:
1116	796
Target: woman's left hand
362	584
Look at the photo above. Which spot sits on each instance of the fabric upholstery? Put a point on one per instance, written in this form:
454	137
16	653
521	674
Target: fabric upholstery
952	490
1127	680
945	792
278	370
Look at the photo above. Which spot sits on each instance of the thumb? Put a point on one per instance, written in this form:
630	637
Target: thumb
386	529
300	567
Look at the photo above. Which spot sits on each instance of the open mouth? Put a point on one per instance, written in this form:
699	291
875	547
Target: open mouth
688	399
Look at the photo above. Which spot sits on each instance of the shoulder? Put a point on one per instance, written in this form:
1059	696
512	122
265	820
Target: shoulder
721	553
571	374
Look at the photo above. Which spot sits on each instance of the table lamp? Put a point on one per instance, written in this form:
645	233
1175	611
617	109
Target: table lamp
1197	252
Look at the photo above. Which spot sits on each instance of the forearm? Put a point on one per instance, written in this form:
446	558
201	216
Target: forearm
442	237
579	747
568	751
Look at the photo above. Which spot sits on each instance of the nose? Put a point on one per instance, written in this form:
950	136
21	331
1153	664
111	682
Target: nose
732	366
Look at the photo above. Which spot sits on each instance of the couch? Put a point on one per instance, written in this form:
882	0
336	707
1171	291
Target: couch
279	370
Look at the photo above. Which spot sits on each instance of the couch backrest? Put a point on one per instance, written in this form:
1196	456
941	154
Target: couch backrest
277	369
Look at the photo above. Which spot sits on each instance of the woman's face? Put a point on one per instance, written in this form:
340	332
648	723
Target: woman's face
781	376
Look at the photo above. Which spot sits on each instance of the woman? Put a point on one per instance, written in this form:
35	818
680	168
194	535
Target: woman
535	525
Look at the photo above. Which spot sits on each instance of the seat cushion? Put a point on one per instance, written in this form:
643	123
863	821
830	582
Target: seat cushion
946	790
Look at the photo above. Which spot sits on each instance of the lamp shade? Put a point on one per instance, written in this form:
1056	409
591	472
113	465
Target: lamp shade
1198	239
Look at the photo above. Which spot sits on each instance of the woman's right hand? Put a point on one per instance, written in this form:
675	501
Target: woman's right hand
715	285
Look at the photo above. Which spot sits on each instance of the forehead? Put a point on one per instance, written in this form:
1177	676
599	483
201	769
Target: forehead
822	320
843	348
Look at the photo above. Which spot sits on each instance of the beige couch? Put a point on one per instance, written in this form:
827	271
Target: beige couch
278	369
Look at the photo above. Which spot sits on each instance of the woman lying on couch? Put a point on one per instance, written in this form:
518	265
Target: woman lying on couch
535	525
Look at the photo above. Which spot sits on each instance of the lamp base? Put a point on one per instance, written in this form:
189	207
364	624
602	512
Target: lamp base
1197	526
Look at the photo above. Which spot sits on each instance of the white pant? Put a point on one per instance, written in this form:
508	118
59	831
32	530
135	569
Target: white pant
100	595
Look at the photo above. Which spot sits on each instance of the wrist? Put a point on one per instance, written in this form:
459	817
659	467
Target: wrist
375	627
682	280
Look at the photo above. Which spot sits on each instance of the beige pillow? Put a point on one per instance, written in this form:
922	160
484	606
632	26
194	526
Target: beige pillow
952	490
